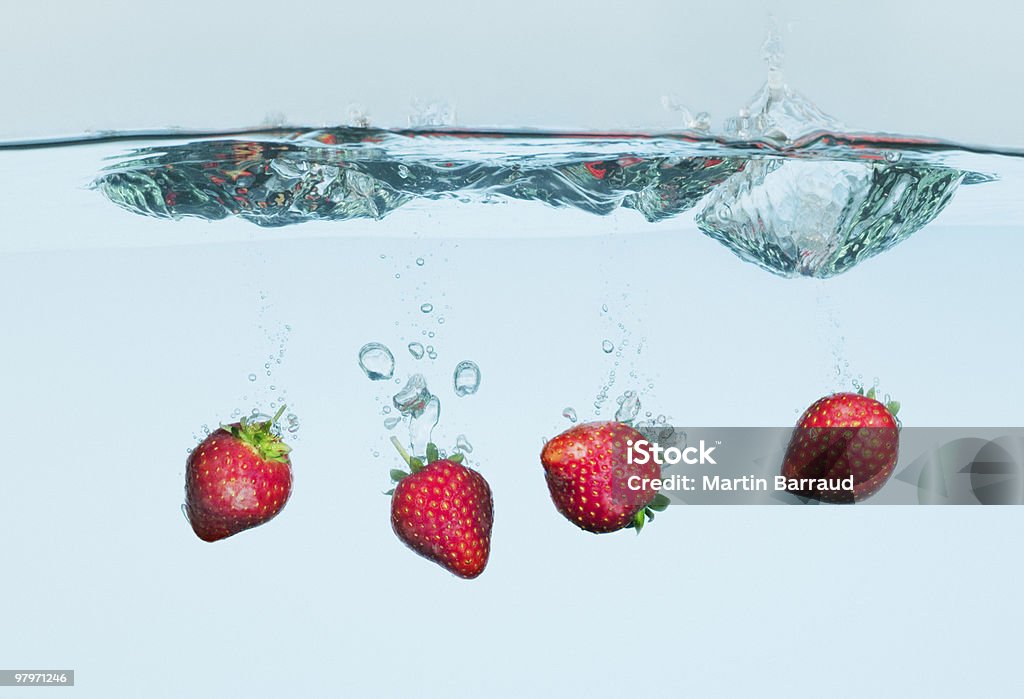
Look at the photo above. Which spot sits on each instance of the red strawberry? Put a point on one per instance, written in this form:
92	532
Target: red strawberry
443	511
237	478
588	475
843	436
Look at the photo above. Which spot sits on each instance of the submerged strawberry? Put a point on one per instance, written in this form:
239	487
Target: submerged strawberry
238	478
443	511
844	448
592	482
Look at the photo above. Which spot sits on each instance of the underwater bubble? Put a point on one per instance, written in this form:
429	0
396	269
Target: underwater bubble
607	346
420	262
403	171
427	307
376	453
661	419
376	361
467	378
386	409
391	422
629	407
413	399
462	444
293	423
421	425
569	414
252	377
416	350
430	334
604	307
440	320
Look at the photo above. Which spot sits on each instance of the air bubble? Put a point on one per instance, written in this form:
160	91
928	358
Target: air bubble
376	361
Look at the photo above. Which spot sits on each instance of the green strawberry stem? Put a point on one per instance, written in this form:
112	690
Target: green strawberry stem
415	463
401	450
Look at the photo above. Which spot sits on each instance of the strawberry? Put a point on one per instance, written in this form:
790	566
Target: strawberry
443	511
844	436
588	476
237	478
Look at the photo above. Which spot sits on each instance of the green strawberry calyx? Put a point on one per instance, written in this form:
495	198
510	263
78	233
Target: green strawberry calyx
659	503
417	463
893	406
261	436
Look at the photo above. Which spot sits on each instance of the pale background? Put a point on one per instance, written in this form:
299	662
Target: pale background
123	335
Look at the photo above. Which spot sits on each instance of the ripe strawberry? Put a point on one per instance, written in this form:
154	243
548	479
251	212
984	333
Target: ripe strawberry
443	511
843	436
588	475
237	478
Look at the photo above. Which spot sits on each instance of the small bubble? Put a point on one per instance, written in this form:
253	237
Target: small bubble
416	350
569	414
430	334
427	307
376	453
420	261
383	256
466	378
403	171
604	307
440	320
391	422
462	445
386	409
893	156
397	275
252	377
607	346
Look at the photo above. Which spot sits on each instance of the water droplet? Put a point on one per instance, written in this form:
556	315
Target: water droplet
629	407
569	414
467	378
462	444
427	307
252	377
376	361
391	422
420	262
607	346
416	350
413	399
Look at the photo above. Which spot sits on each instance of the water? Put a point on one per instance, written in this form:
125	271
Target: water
721	277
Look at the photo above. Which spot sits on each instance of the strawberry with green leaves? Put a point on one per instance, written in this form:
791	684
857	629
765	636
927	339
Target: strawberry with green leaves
237	478
592	482
843	436
443	510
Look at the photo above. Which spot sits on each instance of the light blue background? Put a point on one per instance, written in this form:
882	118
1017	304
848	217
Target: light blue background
125	334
